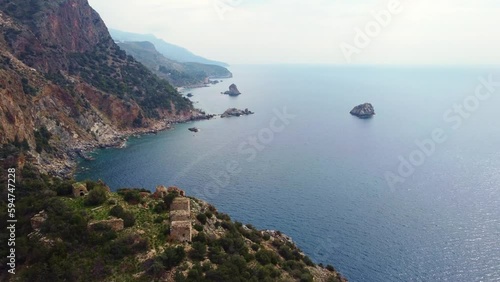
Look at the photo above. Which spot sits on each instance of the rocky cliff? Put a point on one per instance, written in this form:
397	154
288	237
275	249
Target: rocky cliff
66	86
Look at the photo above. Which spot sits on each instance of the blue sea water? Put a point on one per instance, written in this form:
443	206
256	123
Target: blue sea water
320	176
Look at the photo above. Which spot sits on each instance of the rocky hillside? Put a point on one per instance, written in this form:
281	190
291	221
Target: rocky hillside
66	86
178	74
82	232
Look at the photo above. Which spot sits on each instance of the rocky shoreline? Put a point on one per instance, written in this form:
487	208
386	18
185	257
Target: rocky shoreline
65	163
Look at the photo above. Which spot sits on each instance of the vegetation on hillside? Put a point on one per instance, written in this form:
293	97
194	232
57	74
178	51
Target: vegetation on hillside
177	73
66	249
113	71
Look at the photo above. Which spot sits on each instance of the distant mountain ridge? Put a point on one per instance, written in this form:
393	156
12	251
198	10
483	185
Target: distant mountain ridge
177	73
171	51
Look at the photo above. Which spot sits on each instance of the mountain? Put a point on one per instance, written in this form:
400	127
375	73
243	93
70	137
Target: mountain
66	86
168	50
178	74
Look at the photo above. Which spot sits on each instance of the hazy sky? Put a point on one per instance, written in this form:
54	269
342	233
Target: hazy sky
318	31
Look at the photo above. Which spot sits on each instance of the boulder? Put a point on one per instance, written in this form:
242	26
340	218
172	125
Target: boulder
233	90
38	219
363	111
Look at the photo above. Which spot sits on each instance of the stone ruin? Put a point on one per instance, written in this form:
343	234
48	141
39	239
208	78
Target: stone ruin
79	190
162	191
180	219
181	231
172	189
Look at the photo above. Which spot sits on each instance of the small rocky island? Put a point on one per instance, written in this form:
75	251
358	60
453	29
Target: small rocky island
363	111
233	90
233	112
193	129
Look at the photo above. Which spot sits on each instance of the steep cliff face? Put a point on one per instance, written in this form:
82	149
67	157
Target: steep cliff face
47	31
66	86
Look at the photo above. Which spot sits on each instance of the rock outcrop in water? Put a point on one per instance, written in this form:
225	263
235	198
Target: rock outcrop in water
233	112
363	111
233	90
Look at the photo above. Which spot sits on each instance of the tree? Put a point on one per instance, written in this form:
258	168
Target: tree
199	251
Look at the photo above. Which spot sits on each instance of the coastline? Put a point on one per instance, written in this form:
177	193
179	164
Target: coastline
65	165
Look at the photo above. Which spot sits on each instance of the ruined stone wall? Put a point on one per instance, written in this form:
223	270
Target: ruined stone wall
180	219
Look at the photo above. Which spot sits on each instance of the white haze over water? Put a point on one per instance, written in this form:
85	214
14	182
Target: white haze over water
426	32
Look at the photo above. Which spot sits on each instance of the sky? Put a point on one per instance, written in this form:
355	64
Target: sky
388	32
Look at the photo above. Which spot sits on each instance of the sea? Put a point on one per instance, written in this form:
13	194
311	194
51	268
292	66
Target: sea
411	194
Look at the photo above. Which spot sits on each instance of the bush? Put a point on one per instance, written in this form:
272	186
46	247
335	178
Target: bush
265	257
128	217
161	207
200	237
64	189
132	197
169	198
198	252
255	247
198	227
129	245
209	214
330	268
308	261
117	211
96	196
202	218
172	257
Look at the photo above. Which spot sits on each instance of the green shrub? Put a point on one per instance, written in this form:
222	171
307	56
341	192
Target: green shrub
132	197
128	245
198	227
64	189
172	257
308	261
209	214
255	247
200	237
265	257
202	218
96	196
116	211
161	207
169	198
199	251
128	219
